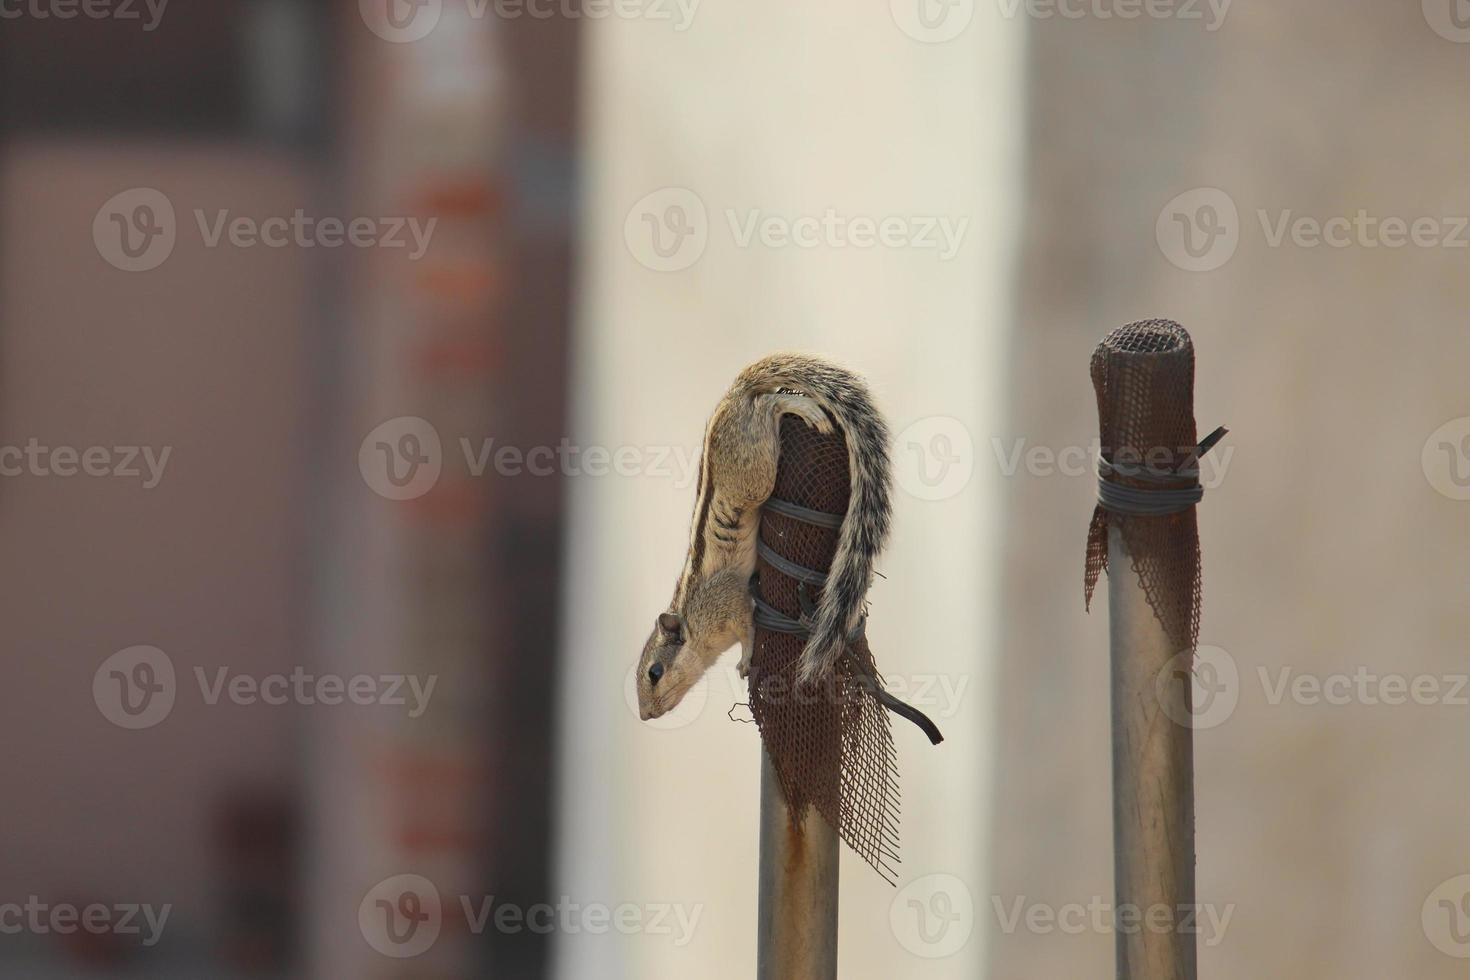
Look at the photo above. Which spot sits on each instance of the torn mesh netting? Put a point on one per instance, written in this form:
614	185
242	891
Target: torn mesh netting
1143	374
829	742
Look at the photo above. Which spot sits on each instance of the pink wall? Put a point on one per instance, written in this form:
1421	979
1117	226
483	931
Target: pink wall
203	355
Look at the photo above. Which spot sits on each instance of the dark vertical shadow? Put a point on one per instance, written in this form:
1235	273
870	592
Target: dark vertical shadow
527	532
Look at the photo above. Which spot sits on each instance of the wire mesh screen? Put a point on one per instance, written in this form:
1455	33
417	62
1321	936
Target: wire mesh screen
1143	374
829	742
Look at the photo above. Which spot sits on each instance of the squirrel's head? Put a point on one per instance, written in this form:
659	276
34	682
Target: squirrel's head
668	668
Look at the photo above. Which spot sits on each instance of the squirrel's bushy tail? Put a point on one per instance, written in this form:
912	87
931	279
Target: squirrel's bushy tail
864	530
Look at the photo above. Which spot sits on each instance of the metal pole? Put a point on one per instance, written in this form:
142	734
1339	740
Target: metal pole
1153	786
798	890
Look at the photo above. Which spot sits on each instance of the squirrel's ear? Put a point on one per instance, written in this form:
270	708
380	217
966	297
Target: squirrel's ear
670	623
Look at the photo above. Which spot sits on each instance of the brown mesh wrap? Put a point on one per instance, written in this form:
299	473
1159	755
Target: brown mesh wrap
829	743
1144	377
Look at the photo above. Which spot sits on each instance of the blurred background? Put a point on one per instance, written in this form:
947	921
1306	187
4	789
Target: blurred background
354	361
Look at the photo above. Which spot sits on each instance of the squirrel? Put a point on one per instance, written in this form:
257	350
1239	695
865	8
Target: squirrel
712	608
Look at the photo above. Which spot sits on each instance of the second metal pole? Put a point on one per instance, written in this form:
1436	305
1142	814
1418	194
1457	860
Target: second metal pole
798	890
1153	786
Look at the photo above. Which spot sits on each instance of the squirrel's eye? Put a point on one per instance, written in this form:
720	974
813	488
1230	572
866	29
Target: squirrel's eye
655	672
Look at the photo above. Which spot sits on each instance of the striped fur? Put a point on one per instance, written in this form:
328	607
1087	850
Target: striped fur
846	397
711	608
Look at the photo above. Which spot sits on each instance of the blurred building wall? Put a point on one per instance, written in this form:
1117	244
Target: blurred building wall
775	110
1325	547
192	358
470	126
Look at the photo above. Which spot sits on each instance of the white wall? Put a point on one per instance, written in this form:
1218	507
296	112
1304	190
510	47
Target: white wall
789	110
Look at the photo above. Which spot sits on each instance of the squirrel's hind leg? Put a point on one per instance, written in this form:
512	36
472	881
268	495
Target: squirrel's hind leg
804	408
